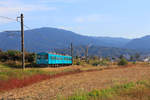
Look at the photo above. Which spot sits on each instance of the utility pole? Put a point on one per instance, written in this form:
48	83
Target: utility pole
22	41
72	52
86	54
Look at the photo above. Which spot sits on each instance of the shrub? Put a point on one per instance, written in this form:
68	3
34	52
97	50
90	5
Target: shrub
123	61
14	64
3	56
94	93
13	58
101	63
95	63
134	62
78	63
30	57
10	55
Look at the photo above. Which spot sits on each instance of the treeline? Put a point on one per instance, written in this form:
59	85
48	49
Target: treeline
96	51
14	55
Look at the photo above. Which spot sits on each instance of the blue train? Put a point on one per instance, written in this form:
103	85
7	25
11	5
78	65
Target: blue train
53	59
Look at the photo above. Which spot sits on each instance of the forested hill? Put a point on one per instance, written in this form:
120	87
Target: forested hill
45	39
49	39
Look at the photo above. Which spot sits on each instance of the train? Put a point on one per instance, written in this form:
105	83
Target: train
53	59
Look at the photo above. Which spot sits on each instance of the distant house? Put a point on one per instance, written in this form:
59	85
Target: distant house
146	59
114	59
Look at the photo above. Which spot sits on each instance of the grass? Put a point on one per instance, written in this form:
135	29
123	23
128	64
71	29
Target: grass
11	78
130	91
7	73
118	92
20	77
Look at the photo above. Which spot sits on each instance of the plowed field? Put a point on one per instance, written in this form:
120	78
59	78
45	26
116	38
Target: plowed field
86	81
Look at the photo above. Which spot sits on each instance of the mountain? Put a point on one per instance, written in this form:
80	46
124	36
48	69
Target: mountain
46	39
98	51
141	44
9	40
114	42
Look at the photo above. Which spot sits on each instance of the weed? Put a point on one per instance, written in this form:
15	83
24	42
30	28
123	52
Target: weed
130	90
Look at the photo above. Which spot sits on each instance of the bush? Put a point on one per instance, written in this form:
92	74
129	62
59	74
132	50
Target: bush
10	55
14	64
95	63
134	62
0	50
30	57
14	55
78	63
101	63
123	61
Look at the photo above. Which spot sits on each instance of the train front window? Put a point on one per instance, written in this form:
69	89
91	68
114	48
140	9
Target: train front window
42	56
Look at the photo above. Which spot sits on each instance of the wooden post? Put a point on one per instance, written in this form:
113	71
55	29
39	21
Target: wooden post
86	54
72	52
22	42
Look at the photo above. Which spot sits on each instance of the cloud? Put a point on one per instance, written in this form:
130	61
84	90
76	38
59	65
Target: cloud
66	28
59	1
4	21
89	18
9	6
13	8
23	8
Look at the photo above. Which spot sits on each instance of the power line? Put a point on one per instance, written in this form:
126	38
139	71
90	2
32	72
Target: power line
22	35
8	18
26	26
16	20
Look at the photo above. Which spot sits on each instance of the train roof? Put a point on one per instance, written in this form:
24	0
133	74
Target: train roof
53	53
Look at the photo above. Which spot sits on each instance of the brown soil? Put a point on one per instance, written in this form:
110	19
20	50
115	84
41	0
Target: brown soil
85	81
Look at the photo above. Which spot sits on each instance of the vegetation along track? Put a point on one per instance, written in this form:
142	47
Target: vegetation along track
68	84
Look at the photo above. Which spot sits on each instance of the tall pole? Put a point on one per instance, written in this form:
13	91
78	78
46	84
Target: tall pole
22	42
72	52
86	54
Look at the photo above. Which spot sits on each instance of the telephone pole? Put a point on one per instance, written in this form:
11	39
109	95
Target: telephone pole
22	41
72	52
22	37
86	54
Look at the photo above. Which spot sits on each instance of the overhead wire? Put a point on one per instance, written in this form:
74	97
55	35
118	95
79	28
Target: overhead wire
15	20
8	18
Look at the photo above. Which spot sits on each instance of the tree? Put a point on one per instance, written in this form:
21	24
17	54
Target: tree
131	57
3	56
121	56
123	61
30	57
137	56
13	55
95	57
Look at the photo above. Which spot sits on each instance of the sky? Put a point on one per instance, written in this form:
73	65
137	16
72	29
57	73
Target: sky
113	18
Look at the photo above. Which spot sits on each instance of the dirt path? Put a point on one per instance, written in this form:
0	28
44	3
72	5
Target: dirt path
67	85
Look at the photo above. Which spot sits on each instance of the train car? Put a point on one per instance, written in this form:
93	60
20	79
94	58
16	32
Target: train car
53	59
